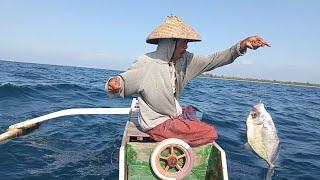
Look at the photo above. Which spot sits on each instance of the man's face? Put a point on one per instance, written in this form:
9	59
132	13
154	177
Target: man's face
181	46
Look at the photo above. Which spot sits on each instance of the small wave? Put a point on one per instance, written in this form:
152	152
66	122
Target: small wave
62	86
9	89
29	75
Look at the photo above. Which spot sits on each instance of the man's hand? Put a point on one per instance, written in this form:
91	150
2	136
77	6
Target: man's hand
114	85
253	42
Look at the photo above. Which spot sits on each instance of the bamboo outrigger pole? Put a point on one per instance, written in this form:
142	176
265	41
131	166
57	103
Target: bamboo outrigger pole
31	124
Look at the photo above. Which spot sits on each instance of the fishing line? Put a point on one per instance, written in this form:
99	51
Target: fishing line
114	149
261	94
262	91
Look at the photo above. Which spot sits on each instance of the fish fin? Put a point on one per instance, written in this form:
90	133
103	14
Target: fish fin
247	145
276	154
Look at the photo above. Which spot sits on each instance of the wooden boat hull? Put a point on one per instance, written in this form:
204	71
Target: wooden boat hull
136	149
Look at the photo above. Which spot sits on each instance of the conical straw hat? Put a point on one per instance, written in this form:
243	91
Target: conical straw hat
173	27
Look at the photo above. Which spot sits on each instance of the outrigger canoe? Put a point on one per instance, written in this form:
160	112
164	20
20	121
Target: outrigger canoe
142	158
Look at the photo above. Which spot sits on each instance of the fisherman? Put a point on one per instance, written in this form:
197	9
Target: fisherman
159	78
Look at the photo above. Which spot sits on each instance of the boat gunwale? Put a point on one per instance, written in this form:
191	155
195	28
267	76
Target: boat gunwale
122	152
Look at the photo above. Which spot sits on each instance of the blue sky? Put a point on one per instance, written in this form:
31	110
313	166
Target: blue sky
111	34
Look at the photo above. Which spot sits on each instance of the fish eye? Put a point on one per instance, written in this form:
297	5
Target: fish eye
254	115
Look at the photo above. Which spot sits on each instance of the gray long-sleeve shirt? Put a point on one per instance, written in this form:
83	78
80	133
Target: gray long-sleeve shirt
150	77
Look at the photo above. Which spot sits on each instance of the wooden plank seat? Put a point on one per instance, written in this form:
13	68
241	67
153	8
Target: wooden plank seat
134	132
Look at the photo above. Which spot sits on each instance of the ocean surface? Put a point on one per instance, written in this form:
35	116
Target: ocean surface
87	146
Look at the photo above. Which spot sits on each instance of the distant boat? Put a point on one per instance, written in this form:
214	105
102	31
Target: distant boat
142	158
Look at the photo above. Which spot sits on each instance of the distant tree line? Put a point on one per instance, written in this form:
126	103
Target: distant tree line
209	75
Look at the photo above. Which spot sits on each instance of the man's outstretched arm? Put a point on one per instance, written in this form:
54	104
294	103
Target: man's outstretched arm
200	64
128	82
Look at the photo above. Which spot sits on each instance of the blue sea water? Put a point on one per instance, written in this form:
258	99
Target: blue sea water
87	147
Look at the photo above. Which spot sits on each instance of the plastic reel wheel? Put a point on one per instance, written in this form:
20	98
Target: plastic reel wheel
172	159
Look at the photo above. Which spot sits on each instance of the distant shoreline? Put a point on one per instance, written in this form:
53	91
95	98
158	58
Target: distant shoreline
297	84
205	75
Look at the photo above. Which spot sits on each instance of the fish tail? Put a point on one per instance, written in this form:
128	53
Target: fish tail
271	166
270	171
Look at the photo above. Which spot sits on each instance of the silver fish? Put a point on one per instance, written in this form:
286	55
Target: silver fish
262	134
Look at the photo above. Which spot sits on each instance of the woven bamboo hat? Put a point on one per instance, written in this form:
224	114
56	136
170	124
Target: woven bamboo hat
173	27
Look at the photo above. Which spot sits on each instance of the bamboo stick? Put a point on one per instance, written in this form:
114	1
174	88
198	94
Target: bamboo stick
31	124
